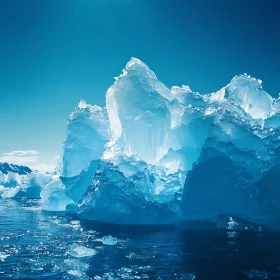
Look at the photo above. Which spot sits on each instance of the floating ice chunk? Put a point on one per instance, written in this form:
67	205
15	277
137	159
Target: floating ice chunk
74	264
109	240
3	256
258	274
79	251
78	274
142	269
237	224
109	276
187	276
134	256
125	273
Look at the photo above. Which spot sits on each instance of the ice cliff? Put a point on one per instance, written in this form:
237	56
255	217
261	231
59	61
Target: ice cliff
154	155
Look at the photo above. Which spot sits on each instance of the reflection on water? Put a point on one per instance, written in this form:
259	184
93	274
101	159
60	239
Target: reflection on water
39	245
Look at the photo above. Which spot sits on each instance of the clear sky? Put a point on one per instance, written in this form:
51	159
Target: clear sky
55	52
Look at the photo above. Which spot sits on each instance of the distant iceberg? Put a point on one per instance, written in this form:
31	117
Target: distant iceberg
21	181
154	155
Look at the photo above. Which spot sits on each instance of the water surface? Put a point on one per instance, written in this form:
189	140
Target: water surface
37	245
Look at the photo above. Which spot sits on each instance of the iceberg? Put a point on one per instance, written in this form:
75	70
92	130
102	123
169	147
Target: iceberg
154	155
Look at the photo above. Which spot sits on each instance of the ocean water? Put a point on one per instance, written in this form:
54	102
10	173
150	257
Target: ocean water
39	245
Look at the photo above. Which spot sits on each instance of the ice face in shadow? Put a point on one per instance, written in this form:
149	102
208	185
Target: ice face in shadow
116	198
154	155
222	189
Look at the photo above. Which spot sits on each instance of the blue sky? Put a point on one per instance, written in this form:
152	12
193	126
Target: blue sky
55	52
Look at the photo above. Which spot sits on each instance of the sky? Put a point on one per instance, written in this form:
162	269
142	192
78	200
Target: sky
53	53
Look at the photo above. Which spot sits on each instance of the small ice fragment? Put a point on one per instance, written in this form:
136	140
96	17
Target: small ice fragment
189	276
134	256
143	269
258	274
75	222
109	240
78	251
75	273
3	256
73	264
79	274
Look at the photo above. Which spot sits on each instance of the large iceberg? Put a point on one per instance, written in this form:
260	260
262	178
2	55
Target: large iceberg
154	155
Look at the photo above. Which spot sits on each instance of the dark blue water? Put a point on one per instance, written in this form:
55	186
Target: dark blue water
36	245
